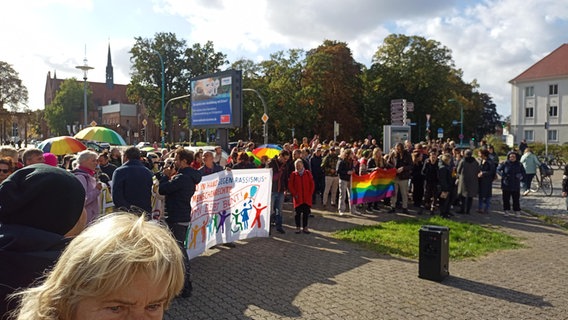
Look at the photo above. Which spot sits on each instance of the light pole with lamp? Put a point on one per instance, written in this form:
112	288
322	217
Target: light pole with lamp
163	121
173	99
264	116
461	119
85	68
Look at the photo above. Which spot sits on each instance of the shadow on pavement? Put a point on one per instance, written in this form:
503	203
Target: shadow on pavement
496	292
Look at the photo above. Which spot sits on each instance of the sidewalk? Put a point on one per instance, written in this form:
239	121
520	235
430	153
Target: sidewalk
314	276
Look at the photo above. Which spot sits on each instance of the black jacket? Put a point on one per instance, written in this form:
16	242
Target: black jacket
430	172
132	185
178	191
445	180
25	253
342	167
512	173
404	161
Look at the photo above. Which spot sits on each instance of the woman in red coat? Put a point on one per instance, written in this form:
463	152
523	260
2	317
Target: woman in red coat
301	186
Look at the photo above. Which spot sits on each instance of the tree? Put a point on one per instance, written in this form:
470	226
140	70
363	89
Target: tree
332	90
488	119
65	107
416	69
180	65
282	85
12	91
204	60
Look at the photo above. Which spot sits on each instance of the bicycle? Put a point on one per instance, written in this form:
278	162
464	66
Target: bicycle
554	161
543	180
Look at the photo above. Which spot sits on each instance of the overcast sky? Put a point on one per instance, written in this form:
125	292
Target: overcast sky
491	41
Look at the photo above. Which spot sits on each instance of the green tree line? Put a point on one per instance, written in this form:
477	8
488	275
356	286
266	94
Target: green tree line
307	90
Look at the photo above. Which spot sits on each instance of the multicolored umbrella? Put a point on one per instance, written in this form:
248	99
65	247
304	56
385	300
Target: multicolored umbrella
101	134
270	150
254	159
61	145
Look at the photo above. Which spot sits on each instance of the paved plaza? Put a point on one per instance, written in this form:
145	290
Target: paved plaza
299	276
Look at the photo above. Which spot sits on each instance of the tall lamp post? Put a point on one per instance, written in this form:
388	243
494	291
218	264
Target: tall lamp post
163	121
264	116
85	67
461	119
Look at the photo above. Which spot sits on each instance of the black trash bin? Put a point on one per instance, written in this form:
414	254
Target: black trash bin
433	255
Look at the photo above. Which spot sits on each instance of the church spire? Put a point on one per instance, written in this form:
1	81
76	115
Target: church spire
109	72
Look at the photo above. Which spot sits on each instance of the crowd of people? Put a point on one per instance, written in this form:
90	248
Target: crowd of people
50	212
49	203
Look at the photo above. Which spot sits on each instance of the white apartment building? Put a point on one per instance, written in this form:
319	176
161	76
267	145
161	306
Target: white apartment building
539	101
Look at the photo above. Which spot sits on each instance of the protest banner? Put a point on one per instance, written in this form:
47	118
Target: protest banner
229	206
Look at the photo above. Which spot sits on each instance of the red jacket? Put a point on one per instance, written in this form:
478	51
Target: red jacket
301	188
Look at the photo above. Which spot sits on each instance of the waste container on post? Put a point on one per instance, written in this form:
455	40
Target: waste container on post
433	254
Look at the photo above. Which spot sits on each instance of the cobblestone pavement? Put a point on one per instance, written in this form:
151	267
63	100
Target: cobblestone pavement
299	276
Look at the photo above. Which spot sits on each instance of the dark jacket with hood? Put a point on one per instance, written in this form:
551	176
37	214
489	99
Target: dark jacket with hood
512	173
39	205
25	253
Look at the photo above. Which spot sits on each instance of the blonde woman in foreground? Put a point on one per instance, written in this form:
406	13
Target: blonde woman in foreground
121	267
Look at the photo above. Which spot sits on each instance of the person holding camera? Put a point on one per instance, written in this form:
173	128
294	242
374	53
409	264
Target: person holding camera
178	186
132	183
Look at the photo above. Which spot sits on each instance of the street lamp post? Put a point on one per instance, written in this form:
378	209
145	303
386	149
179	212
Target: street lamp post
168	103
461	120
163	121
265	130
85	67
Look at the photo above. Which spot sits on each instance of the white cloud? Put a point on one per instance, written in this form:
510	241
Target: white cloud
491	40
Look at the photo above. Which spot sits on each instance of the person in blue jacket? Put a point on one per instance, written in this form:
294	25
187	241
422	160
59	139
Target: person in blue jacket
132	183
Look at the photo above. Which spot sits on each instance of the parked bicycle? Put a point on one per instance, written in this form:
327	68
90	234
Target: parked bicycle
554	161
543	180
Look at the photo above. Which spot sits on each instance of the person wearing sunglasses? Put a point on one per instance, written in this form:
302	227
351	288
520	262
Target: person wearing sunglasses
6	168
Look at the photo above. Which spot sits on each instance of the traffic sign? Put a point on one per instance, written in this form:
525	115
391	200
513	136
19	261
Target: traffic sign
440	133
93	123
264	118
144	122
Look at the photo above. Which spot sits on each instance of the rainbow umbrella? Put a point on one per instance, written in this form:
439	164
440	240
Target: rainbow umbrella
61	145
270	150
101	134
255	159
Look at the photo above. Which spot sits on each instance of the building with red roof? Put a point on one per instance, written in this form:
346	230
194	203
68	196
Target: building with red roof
539	104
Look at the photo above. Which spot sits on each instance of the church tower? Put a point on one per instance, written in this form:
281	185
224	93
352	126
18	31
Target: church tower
109	72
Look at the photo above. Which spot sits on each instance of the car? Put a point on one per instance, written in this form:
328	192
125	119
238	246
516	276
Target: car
93	145
143	144
105	145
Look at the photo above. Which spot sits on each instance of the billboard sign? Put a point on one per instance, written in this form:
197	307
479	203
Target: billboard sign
216	100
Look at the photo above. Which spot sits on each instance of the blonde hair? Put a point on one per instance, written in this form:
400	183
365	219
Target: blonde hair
102	259
6	151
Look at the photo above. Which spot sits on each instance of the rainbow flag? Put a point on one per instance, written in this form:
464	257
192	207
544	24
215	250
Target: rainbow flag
373	186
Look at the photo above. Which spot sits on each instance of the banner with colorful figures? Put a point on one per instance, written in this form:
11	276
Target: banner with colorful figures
228	206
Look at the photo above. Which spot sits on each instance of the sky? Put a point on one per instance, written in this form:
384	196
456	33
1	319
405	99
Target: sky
492	41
